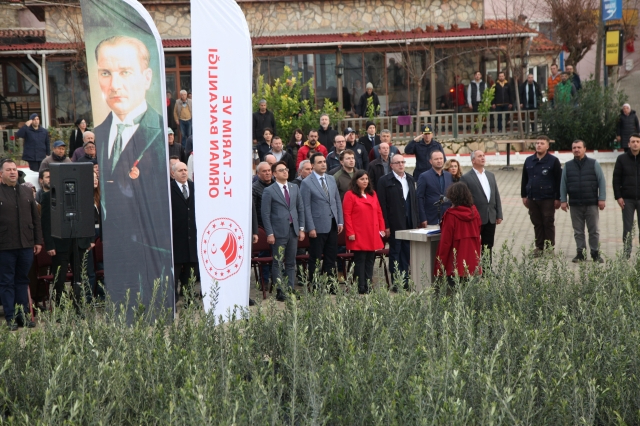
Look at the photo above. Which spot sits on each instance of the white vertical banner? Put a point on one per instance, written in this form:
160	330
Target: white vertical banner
221	78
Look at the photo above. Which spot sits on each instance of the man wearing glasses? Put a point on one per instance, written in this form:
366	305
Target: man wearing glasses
283	219
399	203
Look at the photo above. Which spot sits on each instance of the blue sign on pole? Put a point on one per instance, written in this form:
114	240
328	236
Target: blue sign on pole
611	10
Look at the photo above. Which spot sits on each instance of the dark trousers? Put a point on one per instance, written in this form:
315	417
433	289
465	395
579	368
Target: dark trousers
327	245
59	266
631	209
185	131
34	166
487	238
14	280
285	261
475	105
542	214
364	261
182	274
502	108
399	251
531	120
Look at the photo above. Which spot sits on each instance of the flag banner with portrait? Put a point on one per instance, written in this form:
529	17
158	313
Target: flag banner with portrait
125	63
221	73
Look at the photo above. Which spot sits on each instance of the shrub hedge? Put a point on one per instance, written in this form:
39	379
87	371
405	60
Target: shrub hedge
534	342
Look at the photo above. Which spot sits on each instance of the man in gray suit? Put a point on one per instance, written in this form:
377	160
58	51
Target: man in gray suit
486	198
322	215
283	219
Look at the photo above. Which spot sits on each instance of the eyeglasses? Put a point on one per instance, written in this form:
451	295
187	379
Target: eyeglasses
282	170
399	162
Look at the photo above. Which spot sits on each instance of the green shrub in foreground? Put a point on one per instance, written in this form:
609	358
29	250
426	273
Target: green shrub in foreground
534	343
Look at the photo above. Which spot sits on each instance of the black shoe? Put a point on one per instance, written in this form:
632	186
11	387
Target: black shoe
579	258
20	322
596	258
252	302
363	290
280	297
12	325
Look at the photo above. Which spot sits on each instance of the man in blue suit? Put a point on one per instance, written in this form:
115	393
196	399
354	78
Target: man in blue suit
283	219
432	187
322	215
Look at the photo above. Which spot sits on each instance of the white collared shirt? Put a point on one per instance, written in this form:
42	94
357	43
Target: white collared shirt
482	177
405	184
324	176
282	185
128	132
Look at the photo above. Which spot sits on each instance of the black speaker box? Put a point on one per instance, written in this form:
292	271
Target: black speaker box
72	200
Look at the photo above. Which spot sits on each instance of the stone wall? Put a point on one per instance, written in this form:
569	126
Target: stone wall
325	17
305	17
9	16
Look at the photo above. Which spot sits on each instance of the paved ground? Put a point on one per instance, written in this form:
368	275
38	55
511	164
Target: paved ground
517	230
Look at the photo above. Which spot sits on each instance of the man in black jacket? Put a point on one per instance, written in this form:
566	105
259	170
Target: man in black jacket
370	139
540	192
626	188
530	97
584	185
399	204
326	135
503	98
381	166
362	158
628	124
262	119
20	239
185	234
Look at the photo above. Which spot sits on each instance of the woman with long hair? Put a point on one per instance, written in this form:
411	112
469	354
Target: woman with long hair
453	166
364	227
296	141
76	139
97	220
459	249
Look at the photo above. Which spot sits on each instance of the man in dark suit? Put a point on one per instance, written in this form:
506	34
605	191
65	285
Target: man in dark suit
322	215
183	218
399	203
432	187
133	173
370	139
484	189
283	218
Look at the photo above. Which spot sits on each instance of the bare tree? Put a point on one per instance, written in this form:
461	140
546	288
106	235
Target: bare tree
418	50
575	25
514	48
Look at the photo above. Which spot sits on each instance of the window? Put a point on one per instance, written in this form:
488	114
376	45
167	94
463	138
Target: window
326	80
20	82
70	97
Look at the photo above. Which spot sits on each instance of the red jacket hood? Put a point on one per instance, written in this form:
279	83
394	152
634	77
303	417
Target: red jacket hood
464	213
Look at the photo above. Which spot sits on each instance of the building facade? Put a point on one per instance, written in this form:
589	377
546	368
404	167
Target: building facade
402	48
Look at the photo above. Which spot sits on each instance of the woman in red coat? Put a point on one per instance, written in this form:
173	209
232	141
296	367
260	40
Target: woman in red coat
459	249
364	227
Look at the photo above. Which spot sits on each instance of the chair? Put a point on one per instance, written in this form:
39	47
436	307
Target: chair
98	259
303	259
381	254
347	257
257	262
44	261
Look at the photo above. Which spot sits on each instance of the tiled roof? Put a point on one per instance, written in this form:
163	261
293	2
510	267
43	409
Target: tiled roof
540	42
20	32
430	34
417	35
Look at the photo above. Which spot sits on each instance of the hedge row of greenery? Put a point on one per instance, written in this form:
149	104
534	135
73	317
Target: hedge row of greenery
592	117
534	342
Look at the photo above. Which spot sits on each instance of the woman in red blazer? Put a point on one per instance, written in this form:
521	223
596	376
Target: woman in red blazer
459	249
364	227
